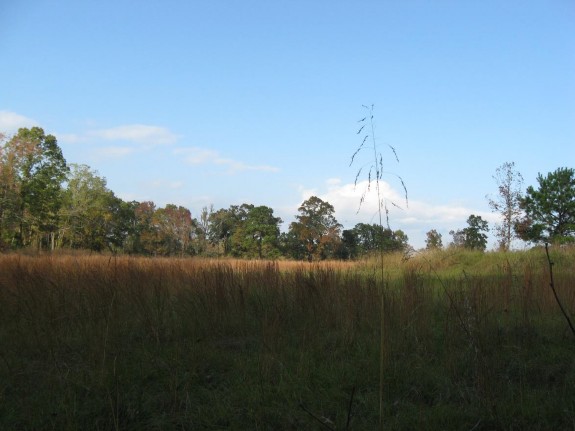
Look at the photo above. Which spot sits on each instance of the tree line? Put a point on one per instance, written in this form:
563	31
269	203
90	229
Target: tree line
48	204
540	215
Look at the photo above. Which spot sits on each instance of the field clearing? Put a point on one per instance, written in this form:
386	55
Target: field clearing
472	341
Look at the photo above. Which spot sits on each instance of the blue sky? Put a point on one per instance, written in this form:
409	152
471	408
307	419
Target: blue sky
227	102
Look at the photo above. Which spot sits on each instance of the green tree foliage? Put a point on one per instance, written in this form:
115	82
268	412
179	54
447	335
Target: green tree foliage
368	238
433	240
200	240
84	209
125	226
472	237
550	209
349	245
507	203
44	203
316	229
33	170
257	235
222	225
92	217
291	246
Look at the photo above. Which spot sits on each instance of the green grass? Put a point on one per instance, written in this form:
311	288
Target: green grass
474	341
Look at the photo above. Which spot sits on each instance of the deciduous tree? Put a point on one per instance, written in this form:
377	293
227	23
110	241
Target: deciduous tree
91	216
200	239
258	234
369	238
145	232
9	196
472	237
433	240
317	228
174	226
223	223
34	167
507	203
85	204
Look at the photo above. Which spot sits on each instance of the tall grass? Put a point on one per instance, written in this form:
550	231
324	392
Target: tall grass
95	342
375	175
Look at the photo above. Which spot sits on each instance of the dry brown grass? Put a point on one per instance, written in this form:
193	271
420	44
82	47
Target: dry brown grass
97	342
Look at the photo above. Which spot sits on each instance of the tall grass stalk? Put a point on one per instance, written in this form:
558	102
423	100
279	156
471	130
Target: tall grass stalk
376	165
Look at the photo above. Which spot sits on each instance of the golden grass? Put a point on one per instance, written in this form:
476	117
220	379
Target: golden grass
118	341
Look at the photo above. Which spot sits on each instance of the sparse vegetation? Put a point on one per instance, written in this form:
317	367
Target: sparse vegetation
104	342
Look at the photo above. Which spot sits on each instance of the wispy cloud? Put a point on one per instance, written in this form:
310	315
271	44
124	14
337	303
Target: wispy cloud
198	156
10	122
136	133
71	138
162	184
237	166
140	134
132	138
113	152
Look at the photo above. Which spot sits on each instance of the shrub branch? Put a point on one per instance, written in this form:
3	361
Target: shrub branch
552	285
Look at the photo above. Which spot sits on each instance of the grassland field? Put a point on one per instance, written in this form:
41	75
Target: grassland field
472	341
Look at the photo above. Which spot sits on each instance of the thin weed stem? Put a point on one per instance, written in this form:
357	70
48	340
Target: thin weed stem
377	165
552	285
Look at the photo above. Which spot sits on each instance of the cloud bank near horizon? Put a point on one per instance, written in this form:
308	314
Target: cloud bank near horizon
414	217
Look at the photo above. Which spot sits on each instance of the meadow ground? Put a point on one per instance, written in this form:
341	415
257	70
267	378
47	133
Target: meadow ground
472	341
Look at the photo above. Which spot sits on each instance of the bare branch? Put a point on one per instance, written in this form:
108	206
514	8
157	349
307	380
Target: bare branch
552	285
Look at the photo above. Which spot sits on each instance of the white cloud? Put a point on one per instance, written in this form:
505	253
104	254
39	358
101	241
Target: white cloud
415	219
137	133
134	138
148	136
197	156
10	122
114	152
237	166
71	138
347	198
162	184
333	182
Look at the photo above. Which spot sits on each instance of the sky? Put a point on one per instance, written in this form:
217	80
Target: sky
222	102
